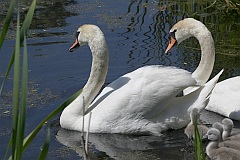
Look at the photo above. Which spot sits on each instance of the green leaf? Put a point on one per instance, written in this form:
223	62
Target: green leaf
26	24
8	70
28	19
7	22
16	87
199	150
44	151
22	108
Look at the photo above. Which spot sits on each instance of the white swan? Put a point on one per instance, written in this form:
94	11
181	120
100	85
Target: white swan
226	94
219	153
141	102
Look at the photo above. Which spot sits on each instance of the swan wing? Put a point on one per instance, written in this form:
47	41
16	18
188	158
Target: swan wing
143	91
129	103
176	113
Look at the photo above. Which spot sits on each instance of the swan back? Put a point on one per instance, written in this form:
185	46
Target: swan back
225	98
230	144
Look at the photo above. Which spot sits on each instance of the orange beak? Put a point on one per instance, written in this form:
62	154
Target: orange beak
75	45
171	44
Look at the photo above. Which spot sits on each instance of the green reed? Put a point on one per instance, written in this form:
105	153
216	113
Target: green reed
20	81
199	149
17	141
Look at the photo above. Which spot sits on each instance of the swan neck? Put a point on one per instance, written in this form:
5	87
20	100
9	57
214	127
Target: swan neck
205	67
225	134
211	147
98	70
72	114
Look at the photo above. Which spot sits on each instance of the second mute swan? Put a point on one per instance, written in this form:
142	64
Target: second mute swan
141	102
225	97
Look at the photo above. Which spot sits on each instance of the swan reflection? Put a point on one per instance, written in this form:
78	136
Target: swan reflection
118	146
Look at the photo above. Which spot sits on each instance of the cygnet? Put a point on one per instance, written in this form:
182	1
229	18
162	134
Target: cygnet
219	153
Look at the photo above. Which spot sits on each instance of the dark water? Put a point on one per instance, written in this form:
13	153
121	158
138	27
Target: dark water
137	35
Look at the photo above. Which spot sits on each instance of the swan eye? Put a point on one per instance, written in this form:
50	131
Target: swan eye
172	34
76	35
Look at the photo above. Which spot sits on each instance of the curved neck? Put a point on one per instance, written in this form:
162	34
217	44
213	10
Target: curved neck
98	73
98	70
211	147
225	134
205	67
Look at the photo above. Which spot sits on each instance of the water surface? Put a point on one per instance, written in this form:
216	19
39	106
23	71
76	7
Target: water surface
137	35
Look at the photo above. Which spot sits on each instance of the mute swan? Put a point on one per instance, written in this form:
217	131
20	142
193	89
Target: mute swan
189	130
219	153
227	130
141	102
226	94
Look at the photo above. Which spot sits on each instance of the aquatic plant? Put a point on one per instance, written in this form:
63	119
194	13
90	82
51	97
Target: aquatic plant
199	149
17	141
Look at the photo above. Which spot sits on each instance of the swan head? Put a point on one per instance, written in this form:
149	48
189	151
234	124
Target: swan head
227	124
213	134
184	29
86	34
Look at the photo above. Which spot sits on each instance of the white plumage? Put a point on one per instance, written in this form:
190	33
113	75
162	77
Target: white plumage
141	102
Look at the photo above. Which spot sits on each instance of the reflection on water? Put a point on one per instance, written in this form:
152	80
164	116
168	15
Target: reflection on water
147	32
116	146
137	35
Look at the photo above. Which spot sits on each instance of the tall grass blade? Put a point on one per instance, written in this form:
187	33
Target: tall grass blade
8	147
22	108
7	22
199	151
25	26
28	19
8	70
44	151
16	87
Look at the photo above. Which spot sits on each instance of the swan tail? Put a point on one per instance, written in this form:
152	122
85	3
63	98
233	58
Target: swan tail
205	93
